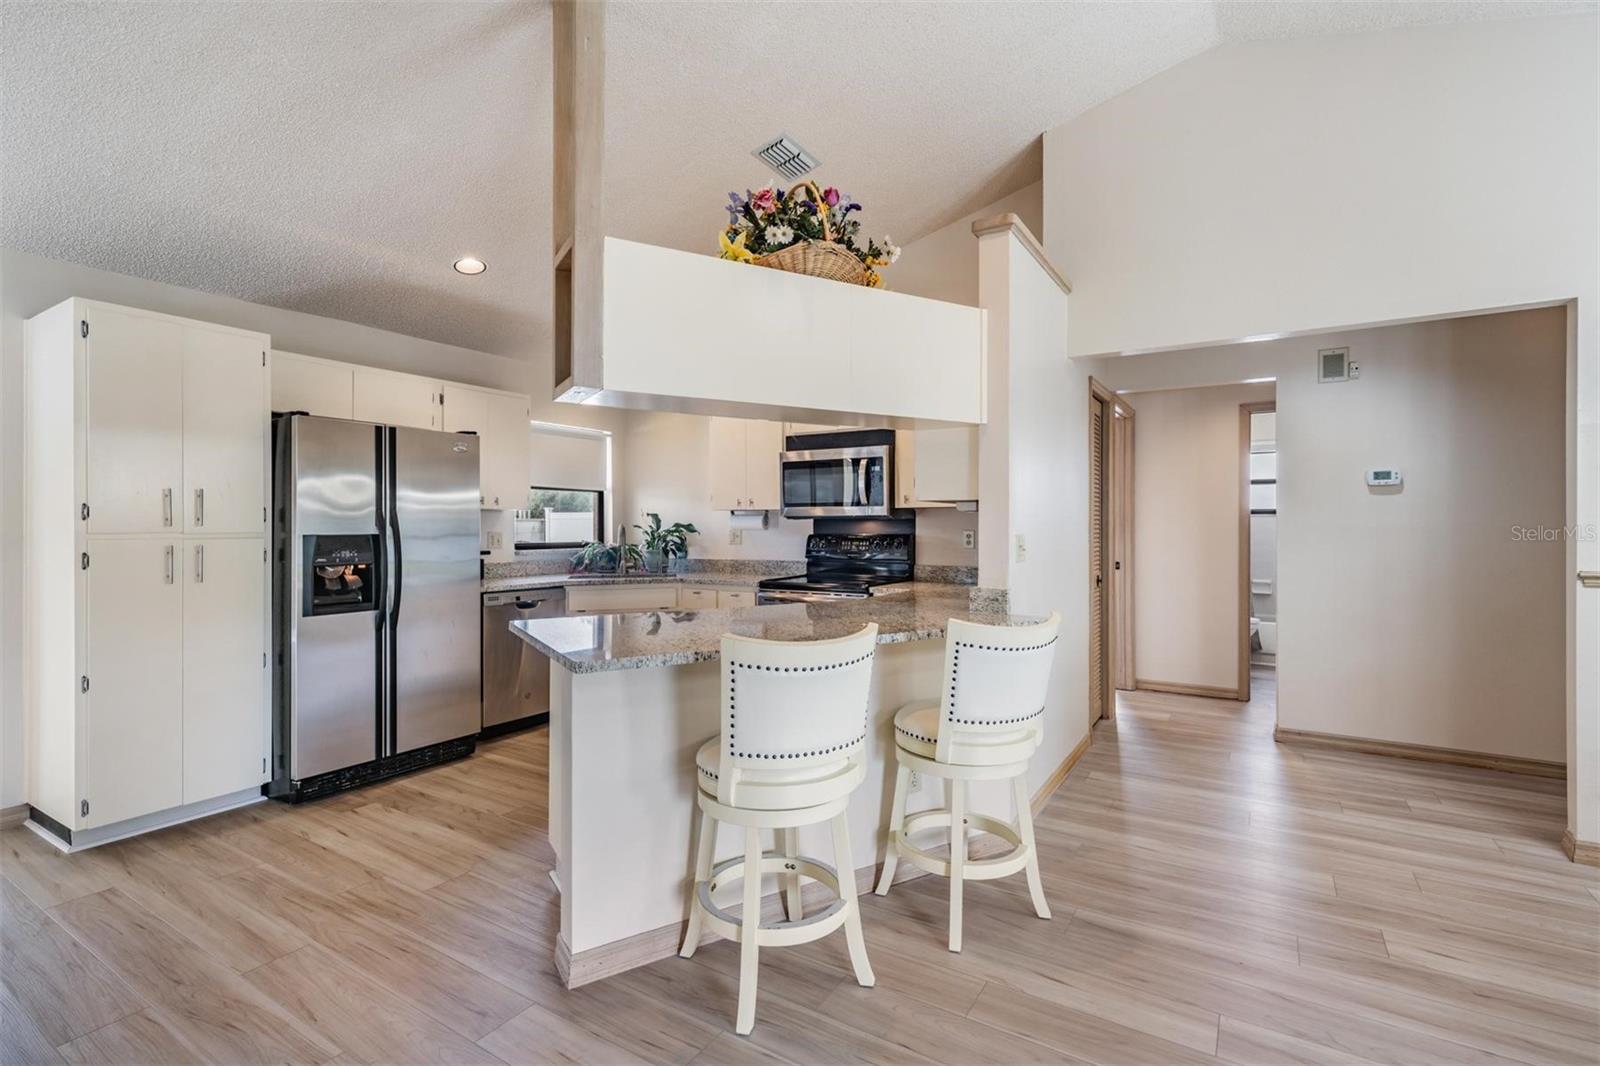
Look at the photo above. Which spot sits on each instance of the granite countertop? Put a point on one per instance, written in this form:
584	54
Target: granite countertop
550	581
588	644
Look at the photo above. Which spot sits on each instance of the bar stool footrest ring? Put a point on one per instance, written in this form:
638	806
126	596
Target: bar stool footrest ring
984	869
773	933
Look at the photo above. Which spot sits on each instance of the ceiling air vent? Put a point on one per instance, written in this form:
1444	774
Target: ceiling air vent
787	158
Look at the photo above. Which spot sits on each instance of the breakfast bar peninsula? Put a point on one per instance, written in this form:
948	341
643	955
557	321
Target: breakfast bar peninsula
633	696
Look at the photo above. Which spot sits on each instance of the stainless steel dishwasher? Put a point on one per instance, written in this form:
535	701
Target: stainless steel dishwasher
516	677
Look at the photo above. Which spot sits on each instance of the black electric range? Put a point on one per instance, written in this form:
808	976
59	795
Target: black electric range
847	559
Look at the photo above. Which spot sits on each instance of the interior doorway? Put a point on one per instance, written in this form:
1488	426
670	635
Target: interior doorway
1258	499
1110	549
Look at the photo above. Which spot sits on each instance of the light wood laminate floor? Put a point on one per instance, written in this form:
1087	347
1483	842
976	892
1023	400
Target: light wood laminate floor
1215	896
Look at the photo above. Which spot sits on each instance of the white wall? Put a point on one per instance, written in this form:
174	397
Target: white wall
1186	483
1033	475
1419	616
944	264
1298	186
30	283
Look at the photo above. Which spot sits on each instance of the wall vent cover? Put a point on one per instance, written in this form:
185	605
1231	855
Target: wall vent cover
786	158
1333	364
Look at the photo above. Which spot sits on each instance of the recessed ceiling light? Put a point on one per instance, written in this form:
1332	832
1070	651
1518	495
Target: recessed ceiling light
468	264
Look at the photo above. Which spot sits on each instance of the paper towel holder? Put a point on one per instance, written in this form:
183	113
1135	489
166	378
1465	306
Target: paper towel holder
741	519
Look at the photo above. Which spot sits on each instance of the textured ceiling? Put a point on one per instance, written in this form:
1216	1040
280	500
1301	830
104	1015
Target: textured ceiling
335	158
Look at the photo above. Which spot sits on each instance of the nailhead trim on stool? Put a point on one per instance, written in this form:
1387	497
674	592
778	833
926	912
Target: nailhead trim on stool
733	702
955	669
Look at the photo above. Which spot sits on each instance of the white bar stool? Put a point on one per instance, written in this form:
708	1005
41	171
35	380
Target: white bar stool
791	751
985	726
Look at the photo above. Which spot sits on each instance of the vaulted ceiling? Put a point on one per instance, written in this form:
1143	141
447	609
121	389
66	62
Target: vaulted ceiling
336	158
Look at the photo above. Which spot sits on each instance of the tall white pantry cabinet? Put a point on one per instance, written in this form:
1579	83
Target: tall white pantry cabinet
146	493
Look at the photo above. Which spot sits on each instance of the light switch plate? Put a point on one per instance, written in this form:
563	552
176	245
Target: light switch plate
735	536
1022	548
497	540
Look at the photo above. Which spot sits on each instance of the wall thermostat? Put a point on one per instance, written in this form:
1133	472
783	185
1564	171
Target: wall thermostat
1388	476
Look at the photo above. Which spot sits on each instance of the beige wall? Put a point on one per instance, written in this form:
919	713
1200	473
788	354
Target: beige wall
1418	616
1186	504
1245	192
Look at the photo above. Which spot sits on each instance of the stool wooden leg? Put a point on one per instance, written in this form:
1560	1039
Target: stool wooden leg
897	819
958	855
702	870
791	882
1019	789
749	933
847	892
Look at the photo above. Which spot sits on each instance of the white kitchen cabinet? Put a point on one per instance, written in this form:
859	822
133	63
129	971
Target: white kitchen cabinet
133	404
945	466
133	663
396	399
225	682
464	409
736	598
505	452
225	437
905	472
145	455
315	386
763	444
609	599
743	457
697	599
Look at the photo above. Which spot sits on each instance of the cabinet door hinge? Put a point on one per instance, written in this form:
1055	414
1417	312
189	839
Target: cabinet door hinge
83	327
83	808
83	561
83	683
84	512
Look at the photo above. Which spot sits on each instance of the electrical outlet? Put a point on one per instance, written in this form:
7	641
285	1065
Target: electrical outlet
914	783
969	538
1022	548
735	536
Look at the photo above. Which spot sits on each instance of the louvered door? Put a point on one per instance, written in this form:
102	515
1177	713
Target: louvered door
1097	559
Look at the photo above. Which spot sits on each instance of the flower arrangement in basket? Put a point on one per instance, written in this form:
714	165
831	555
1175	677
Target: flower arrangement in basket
806	230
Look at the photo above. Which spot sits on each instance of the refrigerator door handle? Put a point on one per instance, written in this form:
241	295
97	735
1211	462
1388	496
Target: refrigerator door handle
390	591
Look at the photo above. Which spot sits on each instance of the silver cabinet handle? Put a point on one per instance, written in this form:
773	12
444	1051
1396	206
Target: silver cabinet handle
169	563
199	507
166	507
199	562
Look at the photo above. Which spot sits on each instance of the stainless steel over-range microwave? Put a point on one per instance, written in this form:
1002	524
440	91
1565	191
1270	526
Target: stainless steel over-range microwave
850	477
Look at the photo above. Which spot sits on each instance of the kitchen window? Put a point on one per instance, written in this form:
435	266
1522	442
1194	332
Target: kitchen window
559	518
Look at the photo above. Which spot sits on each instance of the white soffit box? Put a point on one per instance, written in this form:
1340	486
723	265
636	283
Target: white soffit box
694	333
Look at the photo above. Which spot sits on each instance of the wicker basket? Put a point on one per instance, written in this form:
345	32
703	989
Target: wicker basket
820	259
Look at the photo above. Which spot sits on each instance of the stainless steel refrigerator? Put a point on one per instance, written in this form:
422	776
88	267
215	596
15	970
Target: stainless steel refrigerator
377	601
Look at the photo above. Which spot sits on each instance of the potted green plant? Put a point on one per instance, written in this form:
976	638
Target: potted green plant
664	543
597	558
